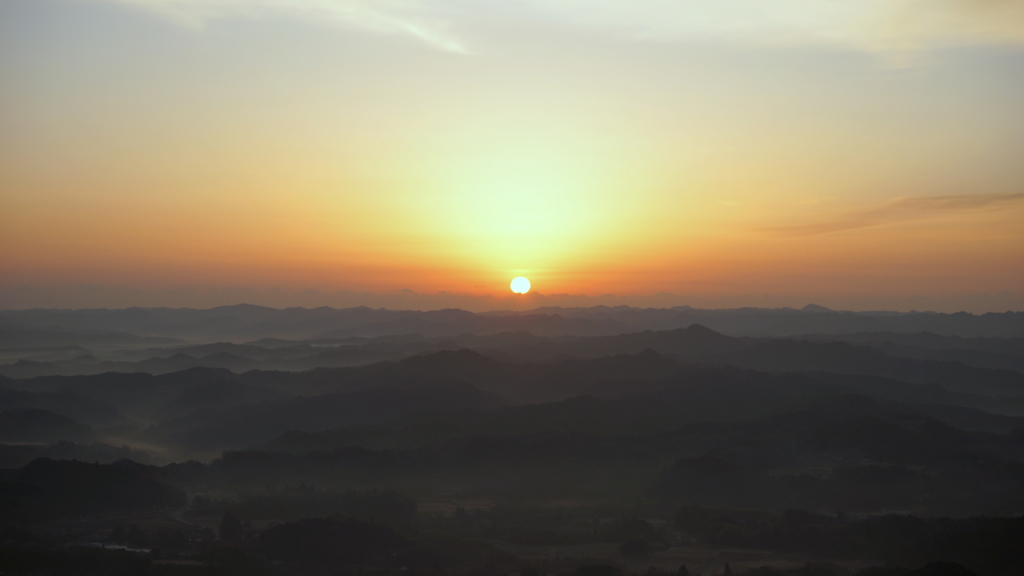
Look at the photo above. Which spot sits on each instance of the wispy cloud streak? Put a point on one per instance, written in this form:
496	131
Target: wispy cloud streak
900	211
887	26
426	21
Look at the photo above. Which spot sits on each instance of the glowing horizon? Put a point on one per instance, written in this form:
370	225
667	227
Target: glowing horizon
847	154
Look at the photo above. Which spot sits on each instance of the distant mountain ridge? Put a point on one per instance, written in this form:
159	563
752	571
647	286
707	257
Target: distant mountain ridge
244	322
691	373
694	344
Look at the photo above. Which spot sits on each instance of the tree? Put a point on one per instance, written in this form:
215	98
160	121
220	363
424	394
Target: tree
635	548
330	541
230	527
597	570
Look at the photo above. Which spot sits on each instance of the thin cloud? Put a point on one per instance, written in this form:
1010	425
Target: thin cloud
901	211
426	21
893	27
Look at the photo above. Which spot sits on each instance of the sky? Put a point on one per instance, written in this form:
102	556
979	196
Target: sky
858	154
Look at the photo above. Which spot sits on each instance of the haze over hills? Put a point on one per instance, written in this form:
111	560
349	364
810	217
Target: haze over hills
616	412
38	342
243	323
179	387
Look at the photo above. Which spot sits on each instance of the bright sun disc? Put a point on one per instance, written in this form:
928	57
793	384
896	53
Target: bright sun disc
520	285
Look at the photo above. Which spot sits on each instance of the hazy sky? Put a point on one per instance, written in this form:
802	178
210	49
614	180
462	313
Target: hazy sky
855	153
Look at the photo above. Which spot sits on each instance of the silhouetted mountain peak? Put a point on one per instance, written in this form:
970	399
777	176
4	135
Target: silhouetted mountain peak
700	331
649	354
223	357
37	425
461	393
705	466
446	360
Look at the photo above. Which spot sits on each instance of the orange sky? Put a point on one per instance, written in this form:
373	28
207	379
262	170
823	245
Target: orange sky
240	148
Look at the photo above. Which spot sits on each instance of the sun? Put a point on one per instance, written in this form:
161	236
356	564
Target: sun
520	285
